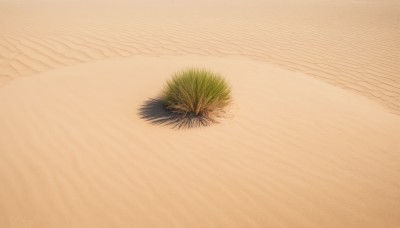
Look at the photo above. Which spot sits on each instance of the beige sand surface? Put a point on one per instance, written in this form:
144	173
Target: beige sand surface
313	134
75	152
354	44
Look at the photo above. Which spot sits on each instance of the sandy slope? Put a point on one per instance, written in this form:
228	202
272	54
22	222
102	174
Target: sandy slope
75	152
354	44
81	144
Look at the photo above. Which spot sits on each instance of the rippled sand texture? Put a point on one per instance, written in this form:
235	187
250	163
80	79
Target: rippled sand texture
349	43
76	152
81	143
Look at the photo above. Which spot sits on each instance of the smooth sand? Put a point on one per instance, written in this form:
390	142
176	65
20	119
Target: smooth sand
81	144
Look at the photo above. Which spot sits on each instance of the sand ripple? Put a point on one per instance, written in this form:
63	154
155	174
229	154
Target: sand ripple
74	152
351	44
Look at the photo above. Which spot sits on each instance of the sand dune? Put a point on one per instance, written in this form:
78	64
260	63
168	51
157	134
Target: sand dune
351	44
75	152
312	139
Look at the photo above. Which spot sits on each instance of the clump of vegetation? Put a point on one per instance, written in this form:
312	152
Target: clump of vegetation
196	93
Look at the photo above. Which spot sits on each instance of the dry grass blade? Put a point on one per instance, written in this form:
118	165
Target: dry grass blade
191	98
196	92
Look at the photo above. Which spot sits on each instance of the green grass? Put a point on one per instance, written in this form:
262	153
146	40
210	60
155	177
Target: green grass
196	92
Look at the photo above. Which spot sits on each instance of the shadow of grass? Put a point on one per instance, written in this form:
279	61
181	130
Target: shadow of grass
154	111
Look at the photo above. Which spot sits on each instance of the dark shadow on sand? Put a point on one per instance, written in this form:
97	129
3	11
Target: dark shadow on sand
154	111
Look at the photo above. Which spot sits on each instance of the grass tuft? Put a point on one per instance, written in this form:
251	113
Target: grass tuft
196	93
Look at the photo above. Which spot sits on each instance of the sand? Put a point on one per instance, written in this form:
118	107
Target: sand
311	140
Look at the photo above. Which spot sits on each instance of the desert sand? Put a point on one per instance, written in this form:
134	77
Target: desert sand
312	138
